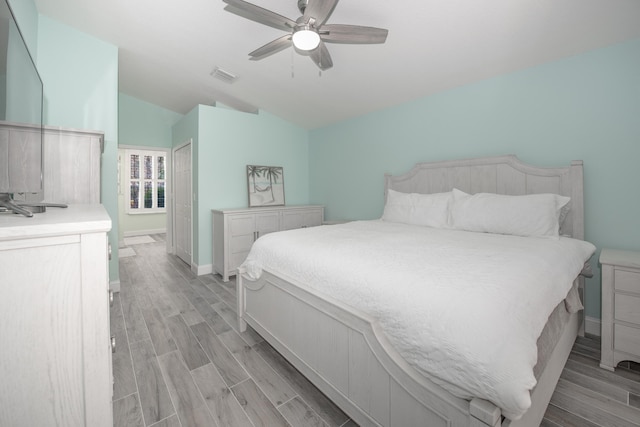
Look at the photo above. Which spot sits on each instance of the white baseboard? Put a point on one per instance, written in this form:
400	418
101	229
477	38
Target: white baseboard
144	232
114	286
201	270
592	325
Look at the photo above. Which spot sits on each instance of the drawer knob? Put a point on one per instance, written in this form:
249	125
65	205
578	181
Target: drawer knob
113	344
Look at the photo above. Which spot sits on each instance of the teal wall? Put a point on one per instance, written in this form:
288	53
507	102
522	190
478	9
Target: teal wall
142	124
26	15
584	107
80	76
226	142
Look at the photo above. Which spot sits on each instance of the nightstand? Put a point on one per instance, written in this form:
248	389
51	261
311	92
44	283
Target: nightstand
620	307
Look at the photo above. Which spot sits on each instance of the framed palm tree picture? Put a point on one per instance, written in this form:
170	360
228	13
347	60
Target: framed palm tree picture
266	185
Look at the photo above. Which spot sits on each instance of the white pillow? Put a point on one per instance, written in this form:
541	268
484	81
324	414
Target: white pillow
430	210
530	215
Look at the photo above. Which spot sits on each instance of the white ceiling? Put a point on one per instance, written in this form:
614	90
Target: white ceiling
168	48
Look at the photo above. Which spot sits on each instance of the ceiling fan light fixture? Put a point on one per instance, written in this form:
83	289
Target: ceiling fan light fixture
306	38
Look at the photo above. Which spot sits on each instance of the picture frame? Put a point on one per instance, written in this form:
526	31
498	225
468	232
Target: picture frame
265	185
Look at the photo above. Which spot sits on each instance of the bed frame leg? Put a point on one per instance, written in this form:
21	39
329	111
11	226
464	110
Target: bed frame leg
581	292
242	324
484	413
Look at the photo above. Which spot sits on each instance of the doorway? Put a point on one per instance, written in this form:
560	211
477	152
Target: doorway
182	201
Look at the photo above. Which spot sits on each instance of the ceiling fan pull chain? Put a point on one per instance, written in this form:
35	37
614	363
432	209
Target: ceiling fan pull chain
292	66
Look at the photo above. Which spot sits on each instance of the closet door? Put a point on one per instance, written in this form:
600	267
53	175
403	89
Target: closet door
182	200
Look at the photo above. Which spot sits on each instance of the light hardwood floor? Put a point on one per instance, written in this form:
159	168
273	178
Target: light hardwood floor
180	361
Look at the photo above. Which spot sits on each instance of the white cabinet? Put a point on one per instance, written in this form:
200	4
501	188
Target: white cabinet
620	307
235	230
54	318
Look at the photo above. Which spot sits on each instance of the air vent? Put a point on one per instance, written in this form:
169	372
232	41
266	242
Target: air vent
223	75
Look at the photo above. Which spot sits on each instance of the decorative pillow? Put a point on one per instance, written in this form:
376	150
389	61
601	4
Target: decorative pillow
430	210
530	215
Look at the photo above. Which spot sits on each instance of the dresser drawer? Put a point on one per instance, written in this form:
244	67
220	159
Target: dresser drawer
627	308
628	281
626	339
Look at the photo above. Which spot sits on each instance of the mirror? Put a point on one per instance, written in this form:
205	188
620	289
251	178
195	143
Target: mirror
21	107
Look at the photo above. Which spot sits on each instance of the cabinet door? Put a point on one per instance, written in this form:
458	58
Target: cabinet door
293	219
300	218
41	329
267	222
241	229
313	217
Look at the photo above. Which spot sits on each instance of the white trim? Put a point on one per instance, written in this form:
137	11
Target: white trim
114	285
144	232
592	325
143	148
201	270
149	211
142	153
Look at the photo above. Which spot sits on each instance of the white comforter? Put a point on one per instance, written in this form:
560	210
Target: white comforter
464	308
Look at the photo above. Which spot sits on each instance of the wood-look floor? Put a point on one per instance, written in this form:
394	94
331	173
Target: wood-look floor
589	396
180	361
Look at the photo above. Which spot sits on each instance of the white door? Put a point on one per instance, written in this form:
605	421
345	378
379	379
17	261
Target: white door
182	202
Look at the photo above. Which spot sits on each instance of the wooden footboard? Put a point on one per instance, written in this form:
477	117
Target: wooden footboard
345	354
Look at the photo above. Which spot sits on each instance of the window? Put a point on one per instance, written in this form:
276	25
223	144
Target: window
146	181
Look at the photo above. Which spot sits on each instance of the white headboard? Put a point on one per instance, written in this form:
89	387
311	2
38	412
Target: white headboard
500	175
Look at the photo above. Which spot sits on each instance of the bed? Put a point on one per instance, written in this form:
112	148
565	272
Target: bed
348	344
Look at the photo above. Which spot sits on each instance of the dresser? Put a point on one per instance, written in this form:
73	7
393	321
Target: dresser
55	362
235	230
620	307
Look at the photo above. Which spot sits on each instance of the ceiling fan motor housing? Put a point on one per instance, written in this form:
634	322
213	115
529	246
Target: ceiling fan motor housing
302	5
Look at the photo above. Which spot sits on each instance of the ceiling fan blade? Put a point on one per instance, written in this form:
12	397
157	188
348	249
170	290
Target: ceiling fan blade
270	48
321	57
354	34
320	10
258	14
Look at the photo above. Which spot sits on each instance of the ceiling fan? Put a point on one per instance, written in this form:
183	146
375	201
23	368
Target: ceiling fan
309	32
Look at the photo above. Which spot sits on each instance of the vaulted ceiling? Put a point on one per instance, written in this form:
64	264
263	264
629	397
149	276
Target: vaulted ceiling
169	48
